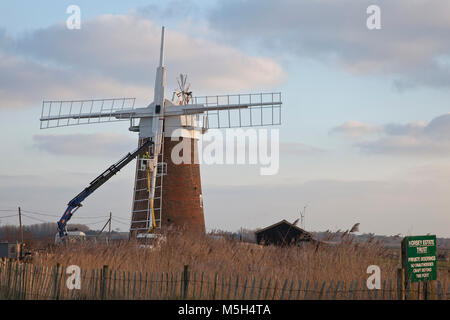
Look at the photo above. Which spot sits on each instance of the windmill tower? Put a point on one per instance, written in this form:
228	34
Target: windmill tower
166	193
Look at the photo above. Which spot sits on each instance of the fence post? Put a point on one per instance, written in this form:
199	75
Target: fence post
185	281
215	286
306	289
283	289
408	290
245	288
400	282
336	290
299	289
8	288
103	285
321	291
56	282
418	290
426	285
439	290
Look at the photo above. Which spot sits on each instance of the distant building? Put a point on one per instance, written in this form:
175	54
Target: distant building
10	250
283	233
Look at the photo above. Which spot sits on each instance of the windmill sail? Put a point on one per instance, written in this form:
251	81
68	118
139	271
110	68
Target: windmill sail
76	112
236	111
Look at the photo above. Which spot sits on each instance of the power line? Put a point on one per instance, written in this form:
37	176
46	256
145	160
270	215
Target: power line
94	217
38	213
122	219
114	219
47	214
33	218
88	224
56	215
13	215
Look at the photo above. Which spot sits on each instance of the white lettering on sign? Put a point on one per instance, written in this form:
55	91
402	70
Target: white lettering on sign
428	258
413	259
415	243
425	264
422	249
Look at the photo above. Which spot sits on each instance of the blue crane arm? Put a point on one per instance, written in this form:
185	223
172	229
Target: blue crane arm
75	203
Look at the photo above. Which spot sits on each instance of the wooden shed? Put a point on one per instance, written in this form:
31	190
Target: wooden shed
283	233
10	250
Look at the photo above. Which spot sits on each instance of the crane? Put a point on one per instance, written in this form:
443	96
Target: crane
75	203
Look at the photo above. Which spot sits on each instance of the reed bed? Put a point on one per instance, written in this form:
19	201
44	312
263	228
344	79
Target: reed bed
345	261
216	269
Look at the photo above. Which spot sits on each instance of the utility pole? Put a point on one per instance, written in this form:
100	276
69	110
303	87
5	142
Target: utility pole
110	219
20	225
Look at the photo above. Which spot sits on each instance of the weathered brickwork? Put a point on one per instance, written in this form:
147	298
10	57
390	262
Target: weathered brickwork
182	205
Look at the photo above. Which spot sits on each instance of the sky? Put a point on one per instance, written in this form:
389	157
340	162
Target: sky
365	133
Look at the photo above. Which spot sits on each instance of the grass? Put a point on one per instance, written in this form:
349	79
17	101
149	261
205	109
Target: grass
218	259
346	261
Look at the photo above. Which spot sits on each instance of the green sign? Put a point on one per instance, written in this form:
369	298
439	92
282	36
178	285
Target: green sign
419	258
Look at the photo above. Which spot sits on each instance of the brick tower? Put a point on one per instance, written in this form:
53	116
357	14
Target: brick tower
180	204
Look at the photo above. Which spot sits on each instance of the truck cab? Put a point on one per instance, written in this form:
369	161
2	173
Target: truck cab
72	236
150	240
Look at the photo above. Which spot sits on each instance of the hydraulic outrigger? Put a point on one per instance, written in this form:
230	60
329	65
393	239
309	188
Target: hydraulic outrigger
75	203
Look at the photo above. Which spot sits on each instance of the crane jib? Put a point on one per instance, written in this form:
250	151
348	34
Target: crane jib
75	203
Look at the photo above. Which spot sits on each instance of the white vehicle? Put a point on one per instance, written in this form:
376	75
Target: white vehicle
150	240
72	236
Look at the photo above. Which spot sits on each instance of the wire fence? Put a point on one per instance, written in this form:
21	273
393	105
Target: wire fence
30	282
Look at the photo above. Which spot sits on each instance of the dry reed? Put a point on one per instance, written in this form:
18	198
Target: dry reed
345	261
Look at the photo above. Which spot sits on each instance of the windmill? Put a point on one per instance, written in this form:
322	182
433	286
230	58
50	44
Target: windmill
158	123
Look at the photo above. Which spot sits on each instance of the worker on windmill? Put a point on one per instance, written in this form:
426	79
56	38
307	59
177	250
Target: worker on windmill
144	161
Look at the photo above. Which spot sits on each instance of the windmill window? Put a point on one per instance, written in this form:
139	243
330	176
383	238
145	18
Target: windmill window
162	168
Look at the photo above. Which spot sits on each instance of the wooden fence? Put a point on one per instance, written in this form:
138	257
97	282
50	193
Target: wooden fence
27	281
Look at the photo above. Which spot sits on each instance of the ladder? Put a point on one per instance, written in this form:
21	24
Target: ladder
153	206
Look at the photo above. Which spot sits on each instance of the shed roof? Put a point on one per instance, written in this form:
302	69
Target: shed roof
281	222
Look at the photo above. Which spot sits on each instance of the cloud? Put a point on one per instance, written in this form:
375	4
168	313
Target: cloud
117	55
411	46
169	9
432	138
355	129
25	83
96	144
299	149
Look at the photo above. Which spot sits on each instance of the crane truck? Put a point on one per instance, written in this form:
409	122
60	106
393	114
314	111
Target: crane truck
75	203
